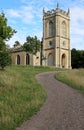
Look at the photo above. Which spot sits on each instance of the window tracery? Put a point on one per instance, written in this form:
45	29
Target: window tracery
64	28
50	28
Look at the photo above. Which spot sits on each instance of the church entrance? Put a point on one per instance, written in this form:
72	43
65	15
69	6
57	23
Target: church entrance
63	61
50	59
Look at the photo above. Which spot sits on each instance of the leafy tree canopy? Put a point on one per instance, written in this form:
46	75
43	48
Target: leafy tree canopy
77	58
17	43
32	45
6	32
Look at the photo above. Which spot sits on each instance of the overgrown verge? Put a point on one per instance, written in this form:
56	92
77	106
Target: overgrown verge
73	78
21	95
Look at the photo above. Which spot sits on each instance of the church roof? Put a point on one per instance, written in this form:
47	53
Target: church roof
16	49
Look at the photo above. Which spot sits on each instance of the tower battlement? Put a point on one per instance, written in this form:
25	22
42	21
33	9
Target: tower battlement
55	12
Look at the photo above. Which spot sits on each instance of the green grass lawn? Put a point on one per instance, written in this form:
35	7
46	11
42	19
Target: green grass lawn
74	78
21	95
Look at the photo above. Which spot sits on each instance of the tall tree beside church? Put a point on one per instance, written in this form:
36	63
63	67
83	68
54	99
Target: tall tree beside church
77	58
32	45
74	58
6	32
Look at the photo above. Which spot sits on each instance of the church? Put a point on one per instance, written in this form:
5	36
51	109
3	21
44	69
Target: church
55	46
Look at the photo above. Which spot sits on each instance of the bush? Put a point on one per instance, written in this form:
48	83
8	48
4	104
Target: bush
5	59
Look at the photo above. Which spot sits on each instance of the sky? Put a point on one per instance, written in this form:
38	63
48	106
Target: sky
25	16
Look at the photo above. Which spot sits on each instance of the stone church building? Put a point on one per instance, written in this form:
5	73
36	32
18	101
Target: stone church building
55	42
21	57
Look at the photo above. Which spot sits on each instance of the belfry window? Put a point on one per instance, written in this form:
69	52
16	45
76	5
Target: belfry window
50	28
64	29
47	29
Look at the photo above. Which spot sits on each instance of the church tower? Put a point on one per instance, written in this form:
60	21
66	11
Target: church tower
56	38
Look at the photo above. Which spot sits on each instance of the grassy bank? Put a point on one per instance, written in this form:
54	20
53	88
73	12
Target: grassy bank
21	95
74	78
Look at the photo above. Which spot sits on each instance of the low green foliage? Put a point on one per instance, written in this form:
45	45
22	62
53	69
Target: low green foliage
21	95
5	59
74	78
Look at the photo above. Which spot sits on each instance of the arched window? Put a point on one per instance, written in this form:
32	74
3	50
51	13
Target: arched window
50	59
63	60
50	28
47	29
37	60
27	59
64	29
18	60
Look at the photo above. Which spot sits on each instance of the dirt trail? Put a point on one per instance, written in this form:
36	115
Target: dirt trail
63	109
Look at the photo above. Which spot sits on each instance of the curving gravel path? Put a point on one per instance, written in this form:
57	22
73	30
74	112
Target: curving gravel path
63	109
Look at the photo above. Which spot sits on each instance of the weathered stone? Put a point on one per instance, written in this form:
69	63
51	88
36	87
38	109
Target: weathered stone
56	38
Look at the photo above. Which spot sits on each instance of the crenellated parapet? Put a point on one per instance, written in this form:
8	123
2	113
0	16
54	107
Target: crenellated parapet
56	11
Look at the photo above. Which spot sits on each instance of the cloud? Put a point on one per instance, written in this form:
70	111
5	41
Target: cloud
21	36
23	14
77	27
13	13
17	37
77	14
77	42
50	2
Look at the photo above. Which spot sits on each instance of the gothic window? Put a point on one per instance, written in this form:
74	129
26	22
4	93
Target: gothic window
18	60
27	59
50	59
63	60
47	29
64	29
37	60
50	28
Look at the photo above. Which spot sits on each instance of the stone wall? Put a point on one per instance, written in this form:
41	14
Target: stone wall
56	37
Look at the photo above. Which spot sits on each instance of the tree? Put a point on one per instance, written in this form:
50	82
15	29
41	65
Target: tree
17	43
6	32
5	59
77	58
32	45
74	58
